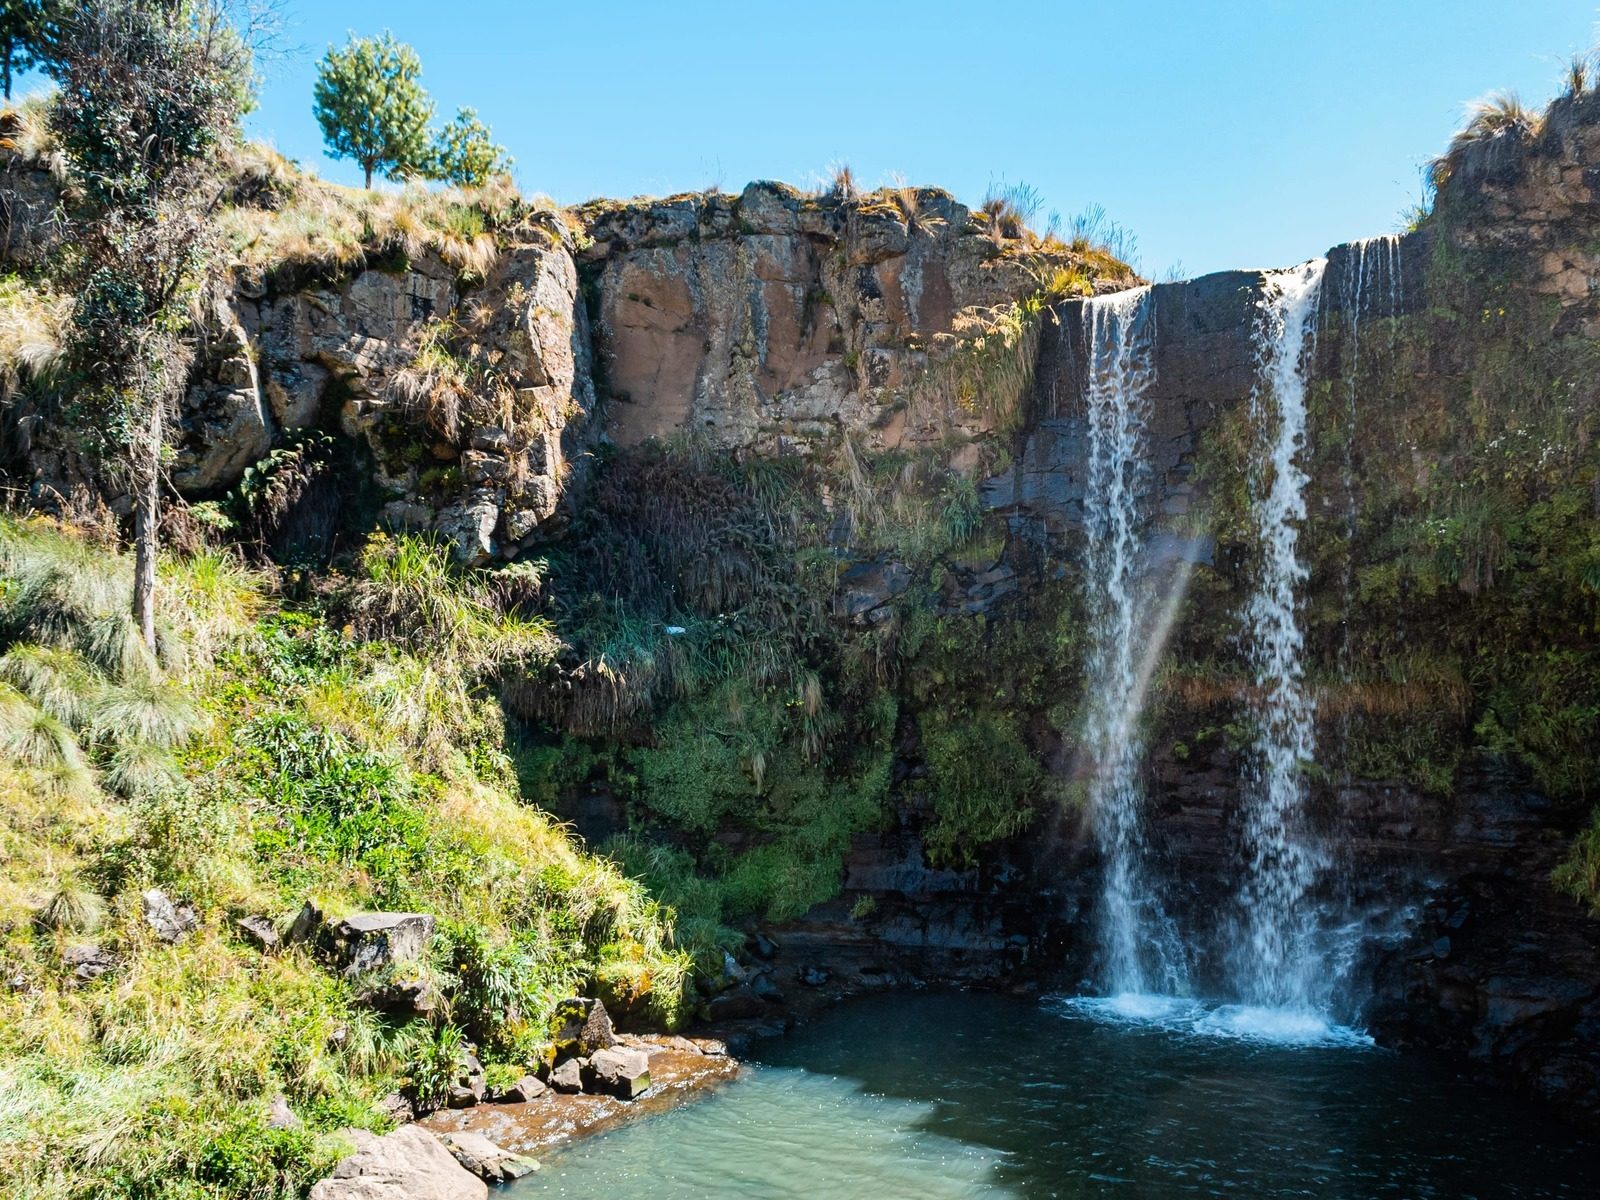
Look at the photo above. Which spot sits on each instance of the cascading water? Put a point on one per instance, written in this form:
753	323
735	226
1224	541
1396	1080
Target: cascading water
1296	939
1279	962
1139	944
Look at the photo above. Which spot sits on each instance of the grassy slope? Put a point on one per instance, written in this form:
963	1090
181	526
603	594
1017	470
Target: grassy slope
267	758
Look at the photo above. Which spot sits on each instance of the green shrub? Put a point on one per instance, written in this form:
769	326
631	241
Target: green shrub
1579	875
984	782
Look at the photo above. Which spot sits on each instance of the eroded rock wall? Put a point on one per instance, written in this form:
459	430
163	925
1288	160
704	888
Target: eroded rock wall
775	319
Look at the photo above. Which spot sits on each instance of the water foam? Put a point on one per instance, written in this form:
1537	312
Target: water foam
1286	1027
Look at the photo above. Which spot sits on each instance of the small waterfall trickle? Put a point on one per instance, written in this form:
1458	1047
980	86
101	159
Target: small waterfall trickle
1139	944
1280	961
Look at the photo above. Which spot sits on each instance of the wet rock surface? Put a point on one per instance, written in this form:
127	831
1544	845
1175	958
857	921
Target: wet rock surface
680	1069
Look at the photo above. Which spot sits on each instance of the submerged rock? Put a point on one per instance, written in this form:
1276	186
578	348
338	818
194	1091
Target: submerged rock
489	1162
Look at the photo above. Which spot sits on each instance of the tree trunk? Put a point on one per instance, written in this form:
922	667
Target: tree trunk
5	68
368	168
146	531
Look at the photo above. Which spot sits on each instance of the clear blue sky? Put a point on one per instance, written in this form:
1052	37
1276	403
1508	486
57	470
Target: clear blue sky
1224	133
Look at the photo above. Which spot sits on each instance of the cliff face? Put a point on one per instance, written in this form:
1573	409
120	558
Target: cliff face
1452	412
893	356
773	319
490	480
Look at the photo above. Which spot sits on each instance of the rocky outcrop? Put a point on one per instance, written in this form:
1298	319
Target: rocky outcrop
776	319
1537	195
476	442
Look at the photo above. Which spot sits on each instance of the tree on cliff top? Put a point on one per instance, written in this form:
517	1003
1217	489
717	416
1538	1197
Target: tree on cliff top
464	152
149	90
372	107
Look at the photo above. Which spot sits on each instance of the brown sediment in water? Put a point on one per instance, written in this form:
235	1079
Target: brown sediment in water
681	1069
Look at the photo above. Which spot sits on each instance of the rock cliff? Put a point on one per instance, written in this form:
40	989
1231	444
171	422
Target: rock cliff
921	376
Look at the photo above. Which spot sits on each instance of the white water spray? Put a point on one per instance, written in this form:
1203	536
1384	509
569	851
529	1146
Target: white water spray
1278	961
1140	945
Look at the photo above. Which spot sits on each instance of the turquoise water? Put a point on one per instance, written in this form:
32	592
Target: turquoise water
952	1095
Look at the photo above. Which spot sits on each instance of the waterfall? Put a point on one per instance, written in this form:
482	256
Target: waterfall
1139	944
1279	961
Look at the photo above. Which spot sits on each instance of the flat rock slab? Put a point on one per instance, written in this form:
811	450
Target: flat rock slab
680	1071
408	1164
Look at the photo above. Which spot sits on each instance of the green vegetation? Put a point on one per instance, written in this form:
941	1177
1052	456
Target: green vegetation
465	154
148	92
372	107
350	753
373	110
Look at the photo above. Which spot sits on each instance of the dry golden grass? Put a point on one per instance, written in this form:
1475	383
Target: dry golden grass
25	131
282	215
32	331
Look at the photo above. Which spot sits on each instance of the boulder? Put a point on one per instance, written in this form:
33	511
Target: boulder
620	1072
88	963
280	1115
305	925
370	941
867	588
260	932
766	988
580	1027
735	1004
529	1087
172	922
762	946
408	1164
568	1077
407	992
489	1162
398	1107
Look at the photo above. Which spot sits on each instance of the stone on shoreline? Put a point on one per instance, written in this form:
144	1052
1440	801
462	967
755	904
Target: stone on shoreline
568	1076
581	1026
489	1162
408	1164
618	1072
529	1087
